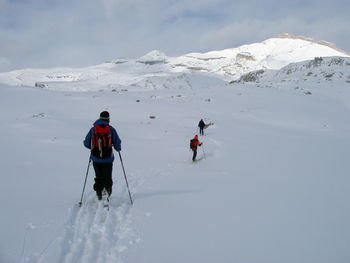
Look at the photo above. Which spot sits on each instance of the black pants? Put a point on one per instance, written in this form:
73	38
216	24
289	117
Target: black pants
201	130
103	179
194	154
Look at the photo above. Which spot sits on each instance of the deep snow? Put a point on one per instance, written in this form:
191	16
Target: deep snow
271	187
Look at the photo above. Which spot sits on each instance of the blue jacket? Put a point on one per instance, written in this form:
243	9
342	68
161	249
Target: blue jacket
115	140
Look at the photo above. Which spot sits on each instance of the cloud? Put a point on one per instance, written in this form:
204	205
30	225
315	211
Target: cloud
4	64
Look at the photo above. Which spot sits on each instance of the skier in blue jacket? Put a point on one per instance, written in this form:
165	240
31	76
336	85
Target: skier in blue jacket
101	138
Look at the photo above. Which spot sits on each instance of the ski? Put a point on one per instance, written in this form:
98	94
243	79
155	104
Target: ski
105	199
106	205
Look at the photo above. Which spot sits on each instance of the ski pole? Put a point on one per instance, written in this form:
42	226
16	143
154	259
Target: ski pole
82	194
203	151
126	180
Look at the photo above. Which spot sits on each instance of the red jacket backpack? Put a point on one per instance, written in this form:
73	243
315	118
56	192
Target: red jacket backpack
101	141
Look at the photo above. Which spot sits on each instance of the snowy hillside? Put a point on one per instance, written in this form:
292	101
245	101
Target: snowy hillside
226	65
271	183
331	69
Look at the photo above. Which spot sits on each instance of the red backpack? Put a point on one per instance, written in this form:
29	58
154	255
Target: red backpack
101	141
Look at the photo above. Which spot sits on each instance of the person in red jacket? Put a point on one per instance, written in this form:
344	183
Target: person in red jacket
194	144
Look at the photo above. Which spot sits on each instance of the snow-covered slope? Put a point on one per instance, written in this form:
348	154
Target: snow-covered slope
271	54
318	70
227	65
270	184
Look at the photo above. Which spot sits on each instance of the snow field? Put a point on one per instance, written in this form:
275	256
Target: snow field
272	186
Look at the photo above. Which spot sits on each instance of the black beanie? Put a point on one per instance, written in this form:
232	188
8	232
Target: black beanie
104	115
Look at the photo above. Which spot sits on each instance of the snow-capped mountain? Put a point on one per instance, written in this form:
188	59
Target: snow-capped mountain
227	65
273	53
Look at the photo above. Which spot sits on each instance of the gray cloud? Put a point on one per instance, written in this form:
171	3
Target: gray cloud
41	33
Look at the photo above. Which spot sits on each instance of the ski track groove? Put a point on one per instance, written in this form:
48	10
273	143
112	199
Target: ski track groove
94	234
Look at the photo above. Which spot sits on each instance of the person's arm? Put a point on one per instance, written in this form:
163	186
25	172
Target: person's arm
116	140
87	141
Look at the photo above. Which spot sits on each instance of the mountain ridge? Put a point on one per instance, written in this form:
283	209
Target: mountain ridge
318	70
321	42
228	65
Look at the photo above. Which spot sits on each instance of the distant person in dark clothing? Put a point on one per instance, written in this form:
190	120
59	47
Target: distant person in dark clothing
100	139
201	126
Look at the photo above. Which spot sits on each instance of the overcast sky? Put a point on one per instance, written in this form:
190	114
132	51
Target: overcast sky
48	33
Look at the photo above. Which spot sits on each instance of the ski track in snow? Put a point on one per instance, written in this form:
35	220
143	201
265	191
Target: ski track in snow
94	234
